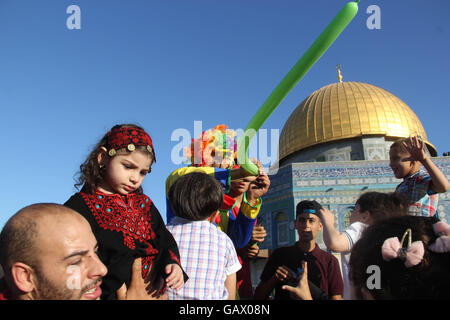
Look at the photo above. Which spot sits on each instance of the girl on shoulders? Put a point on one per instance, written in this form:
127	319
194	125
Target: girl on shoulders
125	221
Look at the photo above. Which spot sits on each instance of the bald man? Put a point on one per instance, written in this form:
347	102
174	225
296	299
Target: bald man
48	251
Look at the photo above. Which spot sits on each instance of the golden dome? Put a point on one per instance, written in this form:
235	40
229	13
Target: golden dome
348	110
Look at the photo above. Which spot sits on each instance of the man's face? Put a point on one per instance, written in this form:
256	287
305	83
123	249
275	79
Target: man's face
69	268
307	225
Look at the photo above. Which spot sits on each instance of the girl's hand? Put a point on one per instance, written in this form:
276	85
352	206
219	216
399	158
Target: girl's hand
175	279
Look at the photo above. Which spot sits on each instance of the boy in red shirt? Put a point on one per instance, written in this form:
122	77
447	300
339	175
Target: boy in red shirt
323	267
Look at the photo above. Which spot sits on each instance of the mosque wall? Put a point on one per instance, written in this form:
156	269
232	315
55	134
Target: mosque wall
335	185
365	148
342	150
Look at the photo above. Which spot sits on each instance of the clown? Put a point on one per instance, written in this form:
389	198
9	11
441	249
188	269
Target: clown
214	153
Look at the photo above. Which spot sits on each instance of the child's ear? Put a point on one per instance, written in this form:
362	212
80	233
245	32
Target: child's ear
101	156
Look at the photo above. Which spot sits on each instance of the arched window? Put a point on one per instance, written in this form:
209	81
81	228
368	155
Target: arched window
282	225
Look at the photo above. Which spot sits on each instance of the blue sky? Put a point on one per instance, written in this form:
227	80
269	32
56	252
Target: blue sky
165	64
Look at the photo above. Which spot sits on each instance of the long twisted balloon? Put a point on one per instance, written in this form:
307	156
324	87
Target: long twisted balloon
317	49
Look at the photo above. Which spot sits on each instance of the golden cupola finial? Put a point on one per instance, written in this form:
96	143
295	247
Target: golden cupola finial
338	68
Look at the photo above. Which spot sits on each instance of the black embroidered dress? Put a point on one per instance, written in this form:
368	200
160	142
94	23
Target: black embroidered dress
126	227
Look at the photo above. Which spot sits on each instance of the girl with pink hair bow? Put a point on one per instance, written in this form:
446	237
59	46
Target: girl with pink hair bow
402	258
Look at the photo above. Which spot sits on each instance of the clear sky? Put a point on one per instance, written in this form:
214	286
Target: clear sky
165	64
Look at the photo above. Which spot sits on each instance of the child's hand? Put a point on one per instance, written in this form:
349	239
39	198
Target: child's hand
416	148
175	280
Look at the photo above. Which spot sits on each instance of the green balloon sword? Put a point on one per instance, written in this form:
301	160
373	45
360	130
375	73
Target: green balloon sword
317	49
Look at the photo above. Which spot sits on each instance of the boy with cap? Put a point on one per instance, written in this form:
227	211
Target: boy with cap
285	263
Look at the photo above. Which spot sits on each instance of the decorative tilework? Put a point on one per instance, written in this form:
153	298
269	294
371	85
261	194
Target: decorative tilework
336	185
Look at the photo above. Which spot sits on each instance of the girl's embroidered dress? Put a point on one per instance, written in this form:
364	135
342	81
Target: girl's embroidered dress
126	227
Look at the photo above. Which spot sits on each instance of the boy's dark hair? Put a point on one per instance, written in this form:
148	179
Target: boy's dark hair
427	280
383	205
195	196
309	206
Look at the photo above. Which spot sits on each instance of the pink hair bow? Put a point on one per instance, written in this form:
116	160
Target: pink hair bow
442	244
393	248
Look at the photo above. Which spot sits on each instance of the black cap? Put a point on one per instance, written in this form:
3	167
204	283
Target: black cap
307	206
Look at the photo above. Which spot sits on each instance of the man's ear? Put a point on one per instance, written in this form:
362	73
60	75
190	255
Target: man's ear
296	223
102	156
320	224
23	277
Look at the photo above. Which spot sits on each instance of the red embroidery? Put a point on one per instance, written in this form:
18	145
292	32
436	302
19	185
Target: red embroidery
174	257
145	266
119	138
133	220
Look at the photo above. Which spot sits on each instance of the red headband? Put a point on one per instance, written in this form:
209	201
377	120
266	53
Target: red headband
127	137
